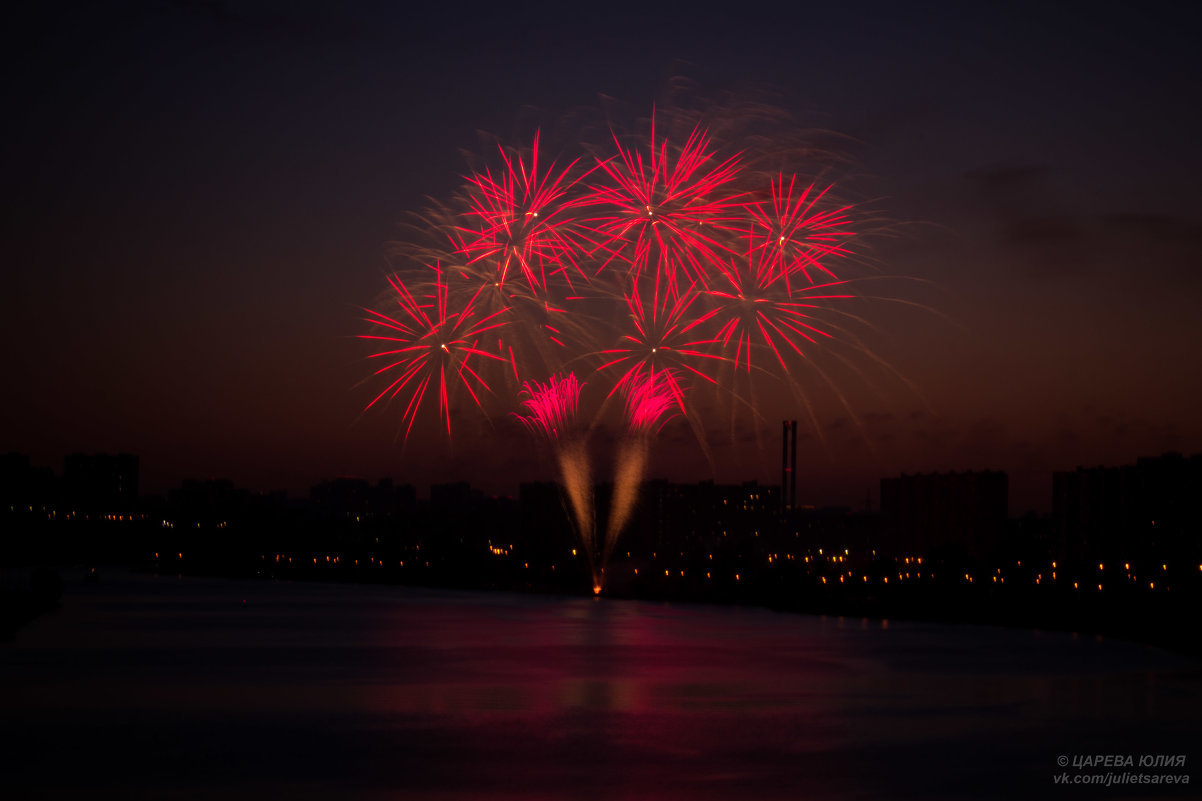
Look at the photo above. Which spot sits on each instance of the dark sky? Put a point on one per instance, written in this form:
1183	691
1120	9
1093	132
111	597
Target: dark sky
199	199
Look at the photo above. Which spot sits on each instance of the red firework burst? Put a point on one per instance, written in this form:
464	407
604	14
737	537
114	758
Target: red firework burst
665	210
552	405
522	222
431	343
756	308
666	332
791	234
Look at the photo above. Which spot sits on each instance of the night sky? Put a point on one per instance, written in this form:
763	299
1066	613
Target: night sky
200	198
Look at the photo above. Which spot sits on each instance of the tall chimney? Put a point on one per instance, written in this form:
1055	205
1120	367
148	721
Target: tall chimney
784	466
793	465
788	465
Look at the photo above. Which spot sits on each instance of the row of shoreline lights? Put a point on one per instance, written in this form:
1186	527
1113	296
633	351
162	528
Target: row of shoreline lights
999	578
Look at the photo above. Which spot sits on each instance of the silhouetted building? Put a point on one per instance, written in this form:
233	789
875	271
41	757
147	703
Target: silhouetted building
101	483
456	497
954	514
1148	508
833	528
356	499
23	486
702	514
209	502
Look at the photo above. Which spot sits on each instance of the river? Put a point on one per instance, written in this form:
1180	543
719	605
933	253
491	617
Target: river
152	686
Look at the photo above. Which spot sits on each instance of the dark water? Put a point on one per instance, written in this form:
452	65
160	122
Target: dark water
152	687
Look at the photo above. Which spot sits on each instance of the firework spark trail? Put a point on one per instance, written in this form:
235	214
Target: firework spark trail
650	400
628	476
431	342
553	407
578	484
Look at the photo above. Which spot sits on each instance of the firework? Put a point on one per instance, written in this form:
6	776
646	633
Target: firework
661	268
520	222
667	333
665	212
757	308
792	233
651	400
553	408
430	344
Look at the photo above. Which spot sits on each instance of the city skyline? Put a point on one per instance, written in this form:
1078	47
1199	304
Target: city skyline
117	476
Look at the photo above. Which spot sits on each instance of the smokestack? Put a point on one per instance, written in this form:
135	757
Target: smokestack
788	465
793	466
784	466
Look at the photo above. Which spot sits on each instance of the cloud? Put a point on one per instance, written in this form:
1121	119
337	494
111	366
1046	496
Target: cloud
1043	234
1040	233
